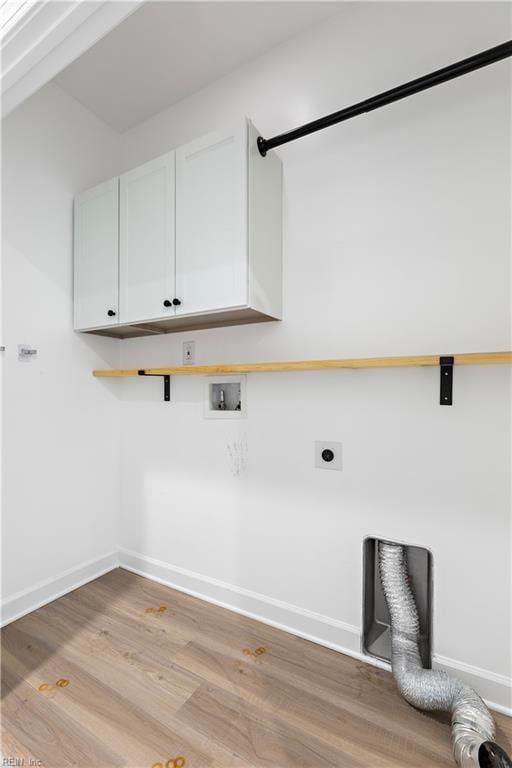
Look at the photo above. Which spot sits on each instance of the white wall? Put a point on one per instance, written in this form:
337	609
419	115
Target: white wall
396	241
61	427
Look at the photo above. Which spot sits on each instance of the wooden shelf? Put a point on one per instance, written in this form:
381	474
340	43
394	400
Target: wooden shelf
471	358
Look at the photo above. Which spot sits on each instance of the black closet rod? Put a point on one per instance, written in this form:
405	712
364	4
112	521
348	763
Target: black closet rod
477	61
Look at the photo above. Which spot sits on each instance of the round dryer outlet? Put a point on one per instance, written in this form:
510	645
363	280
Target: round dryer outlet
327	455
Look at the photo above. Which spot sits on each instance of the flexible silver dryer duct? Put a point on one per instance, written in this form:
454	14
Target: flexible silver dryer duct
472	724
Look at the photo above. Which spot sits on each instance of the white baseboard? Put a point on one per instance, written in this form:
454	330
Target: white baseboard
290	618
50	589
495	689
346	638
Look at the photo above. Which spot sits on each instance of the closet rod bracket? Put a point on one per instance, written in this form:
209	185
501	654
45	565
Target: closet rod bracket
262	146
167	383
446	380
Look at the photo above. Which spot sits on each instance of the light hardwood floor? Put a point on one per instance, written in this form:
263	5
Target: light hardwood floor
195	686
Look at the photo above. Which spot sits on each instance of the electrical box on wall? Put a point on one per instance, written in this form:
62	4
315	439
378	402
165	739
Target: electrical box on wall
225	397
376	619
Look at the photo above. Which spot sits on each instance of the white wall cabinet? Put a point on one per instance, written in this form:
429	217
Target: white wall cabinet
146	241
199	245
211	222
96	266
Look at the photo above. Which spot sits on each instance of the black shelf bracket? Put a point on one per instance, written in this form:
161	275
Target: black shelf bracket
446	380
167	383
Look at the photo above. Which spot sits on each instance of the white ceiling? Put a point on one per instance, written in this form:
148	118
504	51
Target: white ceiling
39	38
167	50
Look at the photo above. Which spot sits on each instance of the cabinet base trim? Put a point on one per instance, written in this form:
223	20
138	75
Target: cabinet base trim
243	316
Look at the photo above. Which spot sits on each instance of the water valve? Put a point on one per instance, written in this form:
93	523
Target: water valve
26	353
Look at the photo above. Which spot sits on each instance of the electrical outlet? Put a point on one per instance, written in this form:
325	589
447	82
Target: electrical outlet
327	455
188	353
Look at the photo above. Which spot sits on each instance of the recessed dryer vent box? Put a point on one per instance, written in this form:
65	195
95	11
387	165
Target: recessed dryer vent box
376	620
225	397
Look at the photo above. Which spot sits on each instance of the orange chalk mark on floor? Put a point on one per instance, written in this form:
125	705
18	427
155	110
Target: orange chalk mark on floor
258	652
176	762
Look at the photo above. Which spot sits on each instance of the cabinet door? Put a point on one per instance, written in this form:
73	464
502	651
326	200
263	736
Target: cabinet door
97	256
147	240
211	222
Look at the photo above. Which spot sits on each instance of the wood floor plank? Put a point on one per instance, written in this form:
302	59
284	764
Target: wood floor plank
100	604
335	725
317	670
195	617
314	673
261	741
122	724
335	673
148	685
34	729
140	675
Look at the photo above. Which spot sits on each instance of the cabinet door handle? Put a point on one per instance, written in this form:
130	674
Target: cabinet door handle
176	302
167	303
111	313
